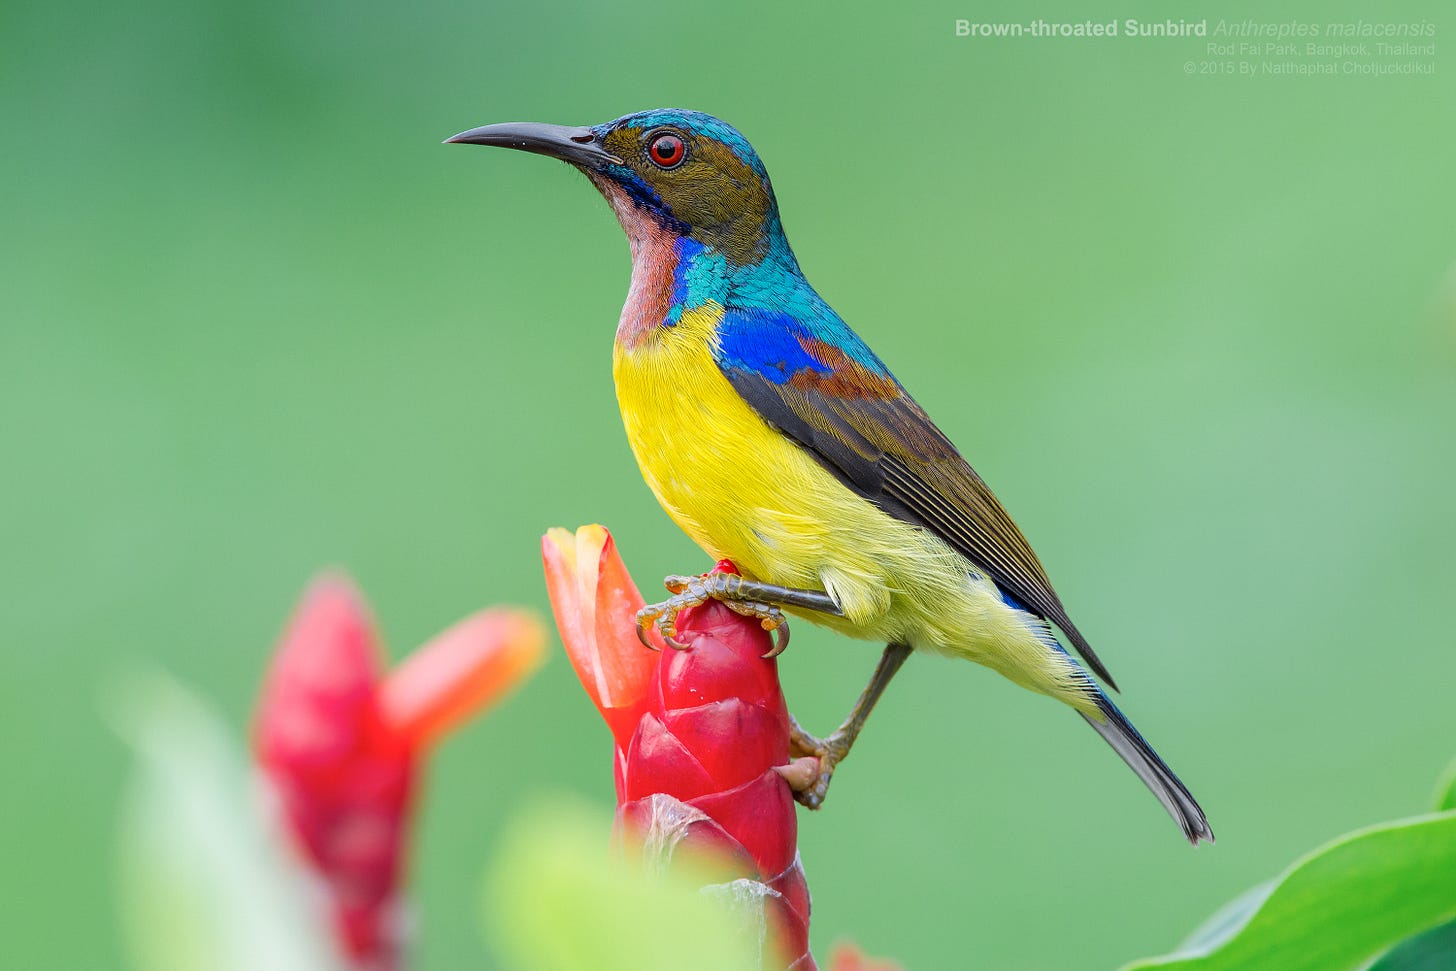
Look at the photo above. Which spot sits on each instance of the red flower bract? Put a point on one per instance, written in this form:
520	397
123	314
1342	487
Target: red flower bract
341	744
847	957
696	761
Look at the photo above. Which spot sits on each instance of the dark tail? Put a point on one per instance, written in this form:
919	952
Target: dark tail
1156	775
1126	742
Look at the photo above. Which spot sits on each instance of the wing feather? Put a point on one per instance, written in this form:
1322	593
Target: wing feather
819	384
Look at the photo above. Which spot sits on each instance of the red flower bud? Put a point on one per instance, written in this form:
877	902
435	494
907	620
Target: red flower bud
700	734
341	745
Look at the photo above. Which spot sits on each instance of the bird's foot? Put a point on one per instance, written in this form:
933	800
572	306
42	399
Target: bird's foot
811	787
730	589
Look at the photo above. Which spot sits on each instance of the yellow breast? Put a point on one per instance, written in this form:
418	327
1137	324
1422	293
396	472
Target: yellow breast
717	468
744	491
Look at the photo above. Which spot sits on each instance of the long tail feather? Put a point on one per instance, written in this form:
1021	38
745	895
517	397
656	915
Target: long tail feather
1127	742
1160	780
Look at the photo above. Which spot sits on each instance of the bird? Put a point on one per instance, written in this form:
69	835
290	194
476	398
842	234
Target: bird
773	436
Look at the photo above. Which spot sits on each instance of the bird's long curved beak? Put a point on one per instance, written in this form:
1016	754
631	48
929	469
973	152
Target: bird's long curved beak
580	146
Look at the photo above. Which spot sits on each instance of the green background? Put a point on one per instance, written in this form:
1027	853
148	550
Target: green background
1199	332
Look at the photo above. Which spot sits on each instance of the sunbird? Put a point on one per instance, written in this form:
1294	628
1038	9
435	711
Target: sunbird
776	439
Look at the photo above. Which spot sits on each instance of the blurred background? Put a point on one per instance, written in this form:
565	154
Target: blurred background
1198	331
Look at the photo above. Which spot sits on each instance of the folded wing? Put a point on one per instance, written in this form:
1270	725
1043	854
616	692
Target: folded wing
813	378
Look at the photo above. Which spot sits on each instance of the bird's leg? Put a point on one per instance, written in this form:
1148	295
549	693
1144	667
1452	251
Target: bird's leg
747	597
833	750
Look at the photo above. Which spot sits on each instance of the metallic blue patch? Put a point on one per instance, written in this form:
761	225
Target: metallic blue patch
683	295
686	249
702	274
1012	602
772	314
765	342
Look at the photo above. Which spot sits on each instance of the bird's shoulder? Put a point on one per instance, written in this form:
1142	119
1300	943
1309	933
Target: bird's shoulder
786	334
799	364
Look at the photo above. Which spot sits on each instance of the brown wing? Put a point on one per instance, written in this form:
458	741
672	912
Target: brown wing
864	427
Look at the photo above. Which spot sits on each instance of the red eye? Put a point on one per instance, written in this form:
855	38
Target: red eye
667	150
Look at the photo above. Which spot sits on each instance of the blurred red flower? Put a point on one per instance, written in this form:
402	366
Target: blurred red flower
340	742
847	957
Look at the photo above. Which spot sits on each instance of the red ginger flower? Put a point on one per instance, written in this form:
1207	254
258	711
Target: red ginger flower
341	743
847	957
700	733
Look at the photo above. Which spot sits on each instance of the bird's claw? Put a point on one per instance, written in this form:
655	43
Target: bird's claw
693	591
645	621
828	751
662	616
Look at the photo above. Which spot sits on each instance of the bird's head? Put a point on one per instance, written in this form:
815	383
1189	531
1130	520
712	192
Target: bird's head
670	171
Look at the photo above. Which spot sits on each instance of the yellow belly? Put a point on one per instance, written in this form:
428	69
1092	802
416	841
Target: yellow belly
744	491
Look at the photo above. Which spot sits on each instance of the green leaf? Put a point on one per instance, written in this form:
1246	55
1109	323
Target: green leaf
1435	950
1446	790
1337	907
204	883
1227	920
560	899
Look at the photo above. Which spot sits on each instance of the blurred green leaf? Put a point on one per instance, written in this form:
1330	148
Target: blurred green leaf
203	885
1227	920
1337	906
1435	950
1446	790
559	899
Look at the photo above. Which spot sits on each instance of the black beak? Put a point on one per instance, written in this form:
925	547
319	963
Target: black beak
580	146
